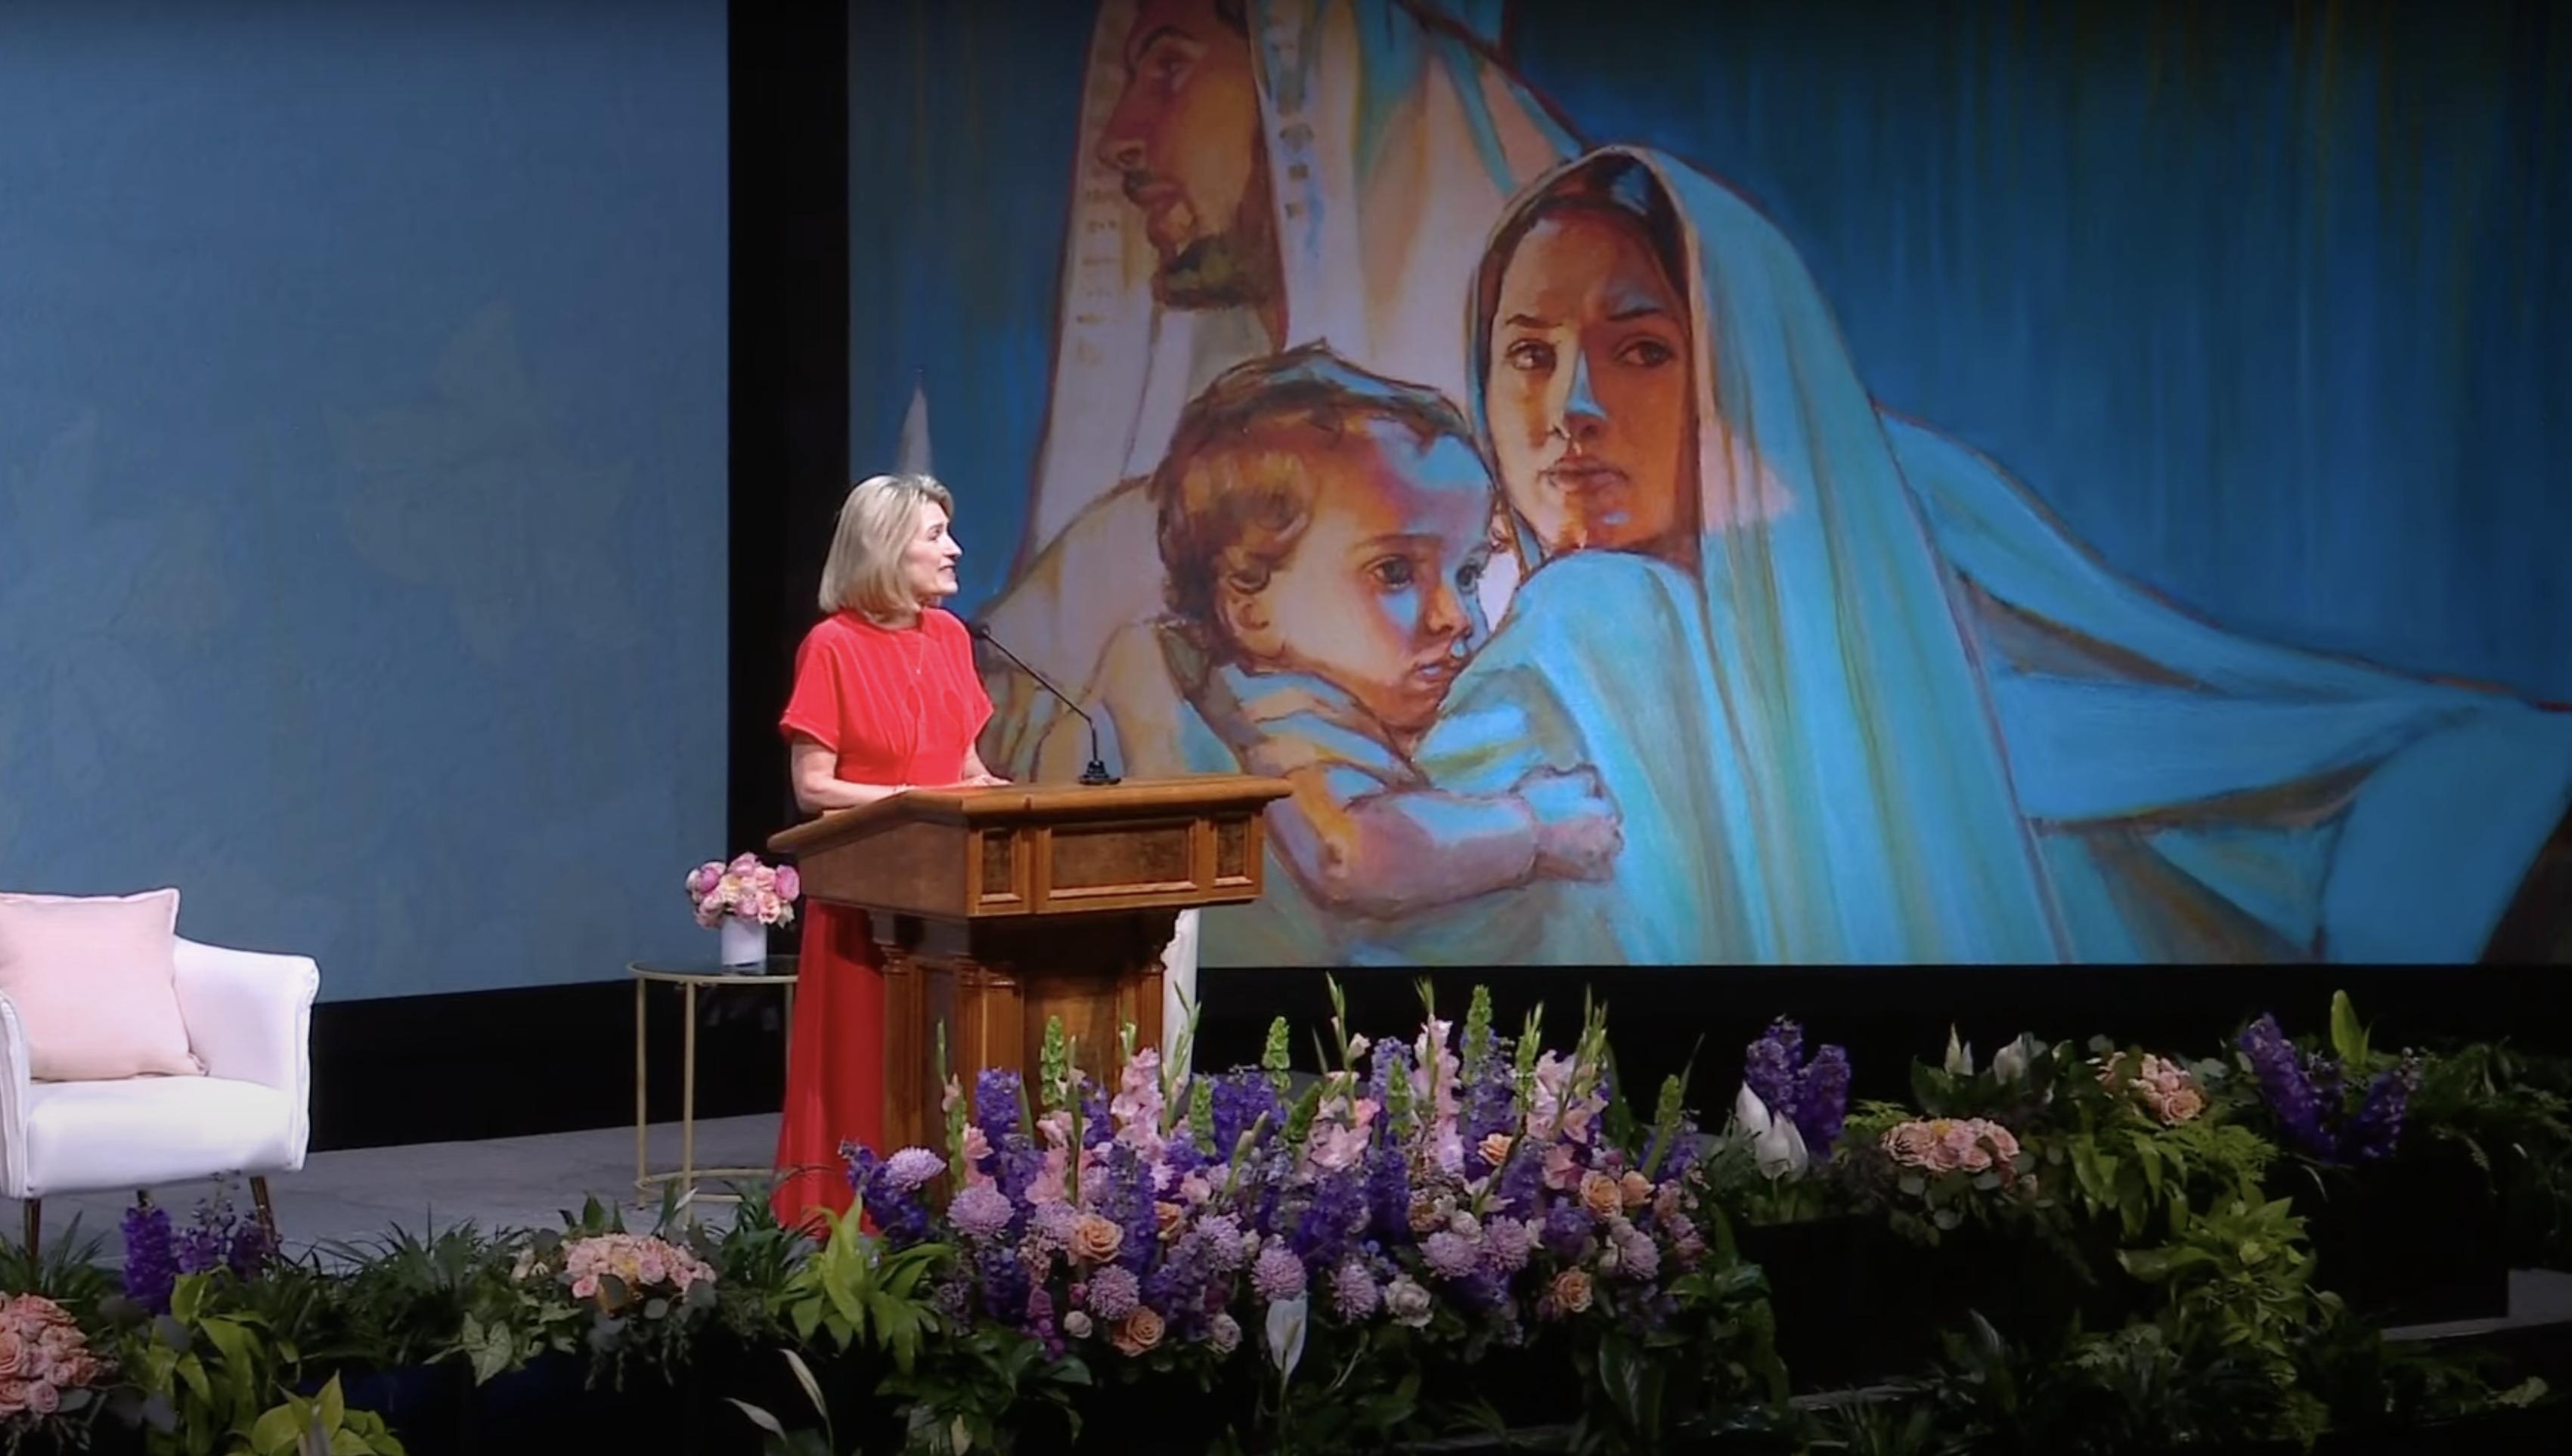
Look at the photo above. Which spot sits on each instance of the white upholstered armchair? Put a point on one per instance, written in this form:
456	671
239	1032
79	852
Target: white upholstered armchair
250	1020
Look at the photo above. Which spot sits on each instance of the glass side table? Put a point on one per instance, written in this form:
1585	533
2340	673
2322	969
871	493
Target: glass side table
779	974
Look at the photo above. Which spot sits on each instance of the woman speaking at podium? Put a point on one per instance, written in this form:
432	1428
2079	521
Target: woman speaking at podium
886	699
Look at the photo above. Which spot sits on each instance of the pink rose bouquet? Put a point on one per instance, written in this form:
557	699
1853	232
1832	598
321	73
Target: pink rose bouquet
744	890
2163	1089
47	1369
624	1295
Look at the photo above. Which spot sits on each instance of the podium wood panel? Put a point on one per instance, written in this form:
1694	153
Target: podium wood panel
1001	907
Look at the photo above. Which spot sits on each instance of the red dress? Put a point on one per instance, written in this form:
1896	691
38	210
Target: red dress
898	705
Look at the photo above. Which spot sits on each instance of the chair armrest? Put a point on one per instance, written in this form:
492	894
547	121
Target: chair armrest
250	1015
15	1089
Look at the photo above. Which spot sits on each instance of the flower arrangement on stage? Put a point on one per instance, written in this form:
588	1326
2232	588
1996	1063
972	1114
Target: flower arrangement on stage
624	1297
1455	1194
47	1370
1458	1229
744	890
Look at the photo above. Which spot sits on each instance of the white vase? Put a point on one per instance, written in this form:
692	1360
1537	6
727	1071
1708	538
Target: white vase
745	942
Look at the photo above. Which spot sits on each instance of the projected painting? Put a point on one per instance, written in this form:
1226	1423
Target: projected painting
1591	546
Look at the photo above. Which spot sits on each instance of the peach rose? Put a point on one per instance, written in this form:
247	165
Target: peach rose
1095	1239
2179	1107
1600	1194
1136	1332
1636	1188
1571	1291
1495	1148
1166	1219
1910	1143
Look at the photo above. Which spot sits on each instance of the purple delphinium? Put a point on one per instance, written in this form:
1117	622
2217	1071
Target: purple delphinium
1240	1100
1005	1281
995	1104
892	1201
1566	1230
151	1258
1331	1223
1490	1101
1127	1201
2372	1133
250	1251
1822	1098
2286	1086
1813	1094
219	1238
2308	1095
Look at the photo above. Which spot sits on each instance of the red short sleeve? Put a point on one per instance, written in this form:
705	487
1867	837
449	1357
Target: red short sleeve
812	709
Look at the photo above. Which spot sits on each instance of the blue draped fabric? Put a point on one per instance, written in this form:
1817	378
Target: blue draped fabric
1897	714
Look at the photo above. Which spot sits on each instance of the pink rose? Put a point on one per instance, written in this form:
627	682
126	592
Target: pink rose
13	1354
1960	1145
789	884
13	1397
43	1398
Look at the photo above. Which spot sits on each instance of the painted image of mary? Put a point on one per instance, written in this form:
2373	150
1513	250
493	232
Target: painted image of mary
1858	698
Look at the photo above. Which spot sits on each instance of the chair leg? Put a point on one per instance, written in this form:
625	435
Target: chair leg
35	1212
266	1212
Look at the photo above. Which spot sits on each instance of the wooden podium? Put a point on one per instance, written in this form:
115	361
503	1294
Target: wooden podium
1001	908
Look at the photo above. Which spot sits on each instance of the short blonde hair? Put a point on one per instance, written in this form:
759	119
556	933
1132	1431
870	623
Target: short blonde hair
862	573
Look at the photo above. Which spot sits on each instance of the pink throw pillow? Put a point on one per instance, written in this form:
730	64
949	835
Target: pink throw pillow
94	984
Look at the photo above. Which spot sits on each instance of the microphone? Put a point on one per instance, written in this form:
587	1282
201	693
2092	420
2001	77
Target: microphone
1096	775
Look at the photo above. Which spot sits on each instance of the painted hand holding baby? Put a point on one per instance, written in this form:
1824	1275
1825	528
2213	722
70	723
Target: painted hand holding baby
1577	830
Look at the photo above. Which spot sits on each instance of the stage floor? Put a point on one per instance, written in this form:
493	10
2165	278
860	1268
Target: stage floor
523	1183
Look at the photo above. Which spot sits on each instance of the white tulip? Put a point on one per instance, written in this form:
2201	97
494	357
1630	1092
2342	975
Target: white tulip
2010	1063
1286	1321
1776	1144
1960	1054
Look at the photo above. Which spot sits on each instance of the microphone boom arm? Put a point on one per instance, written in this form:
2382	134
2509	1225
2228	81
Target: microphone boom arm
1095	776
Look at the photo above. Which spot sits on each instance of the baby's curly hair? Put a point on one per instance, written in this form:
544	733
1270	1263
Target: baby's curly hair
1235	490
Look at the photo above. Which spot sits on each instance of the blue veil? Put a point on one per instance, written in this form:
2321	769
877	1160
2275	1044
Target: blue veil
1897	714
